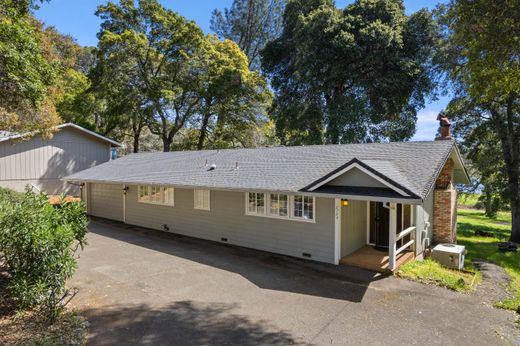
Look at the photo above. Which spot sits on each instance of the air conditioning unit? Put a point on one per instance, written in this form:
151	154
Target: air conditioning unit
450	255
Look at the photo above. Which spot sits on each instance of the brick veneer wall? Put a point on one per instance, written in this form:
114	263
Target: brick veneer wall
445	206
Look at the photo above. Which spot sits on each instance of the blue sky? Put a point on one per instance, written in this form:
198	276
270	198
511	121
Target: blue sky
76	18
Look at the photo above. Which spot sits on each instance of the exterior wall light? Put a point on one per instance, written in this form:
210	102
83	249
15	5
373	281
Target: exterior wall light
344	202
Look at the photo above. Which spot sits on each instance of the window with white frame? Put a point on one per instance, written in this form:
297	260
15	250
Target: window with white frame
155	194
256	203
278	205
298	207
201	199
303	207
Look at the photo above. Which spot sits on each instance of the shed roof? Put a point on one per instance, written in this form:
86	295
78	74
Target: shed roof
409	167
6	135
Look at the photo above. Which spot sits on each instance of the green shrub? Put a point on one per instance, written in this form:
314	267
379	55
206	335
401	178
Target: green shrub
38	243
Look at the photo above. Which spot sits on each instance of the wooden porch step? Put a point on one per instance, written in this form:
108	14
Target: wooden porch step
369	258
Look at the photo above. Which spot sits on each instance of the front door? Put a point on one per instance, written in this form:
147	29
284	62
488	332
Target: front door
381	220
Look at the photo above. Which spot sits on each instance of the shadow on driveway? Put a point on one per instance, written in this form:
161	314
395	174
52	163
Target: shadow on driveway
180	323
266	270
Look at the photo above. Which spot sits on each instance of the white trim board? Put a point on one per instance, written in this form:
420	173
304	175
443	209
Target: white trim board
364	170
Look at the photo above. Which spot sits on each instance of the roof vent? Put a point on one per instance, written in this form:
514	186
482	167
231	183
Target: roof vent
237	166
212	167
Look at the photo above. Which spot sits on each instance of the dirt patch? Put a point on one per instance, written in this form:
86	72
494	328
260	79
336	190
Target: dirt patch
29	327
495	281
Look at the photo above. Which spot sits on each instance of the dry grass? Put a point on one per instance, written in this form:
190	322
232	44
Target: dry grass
56	199
30	328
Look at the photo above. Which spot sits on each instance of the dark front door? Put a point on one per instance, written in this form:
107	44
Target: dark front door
382	225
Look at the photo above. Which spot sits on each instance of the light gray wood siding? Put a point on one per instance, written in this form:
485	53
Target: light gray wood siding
355	177
424	215
105	200
43	162
226	219
353	227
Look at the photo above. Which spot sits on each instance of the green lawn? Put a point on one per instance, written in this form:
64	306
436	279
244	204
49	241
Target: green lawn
486	247
431	272
468	199
470	220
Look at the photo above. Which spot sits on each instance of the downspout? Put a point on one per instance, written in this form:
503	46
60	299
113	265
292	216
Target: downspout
337	230
124	202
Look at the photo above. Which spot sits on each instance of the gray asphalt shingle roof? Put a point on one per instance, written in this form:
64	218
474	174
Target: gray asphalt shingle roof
412	165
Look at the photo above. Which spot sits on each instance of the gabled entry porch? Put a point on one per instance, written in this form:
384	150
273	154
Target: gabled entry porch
376	235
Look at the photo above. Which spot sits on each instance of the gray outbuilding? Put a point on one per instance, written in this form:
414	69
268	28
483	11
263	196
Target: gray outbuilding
40	163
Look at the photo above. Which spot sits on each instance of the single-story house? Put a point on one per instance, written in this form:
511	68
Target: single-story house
41	162
319	202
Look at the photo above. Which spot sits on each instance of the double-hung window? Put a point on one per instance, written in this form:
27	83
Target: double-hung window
155	194
201	199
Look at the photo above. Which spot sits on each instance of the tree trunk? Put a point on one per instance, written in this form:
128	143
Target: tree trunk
137	135
167	143
203	131
515	227
509	139
488	201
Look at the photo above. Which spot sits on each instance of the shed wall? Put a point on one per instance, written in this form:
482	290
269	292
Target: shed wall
43	162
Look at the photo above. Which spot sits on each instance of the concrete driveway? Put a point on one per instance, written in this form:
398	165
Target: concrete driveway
139	286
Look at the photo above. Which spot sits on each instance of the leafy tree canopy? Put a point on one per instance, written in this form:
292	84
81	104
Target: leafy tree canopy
480	53
352	75
251	24
180	77
27	74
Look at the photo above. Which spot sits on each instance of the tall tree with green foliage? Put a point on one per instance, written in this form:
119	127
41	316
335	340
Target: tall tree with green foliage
174	76
27	73
481	54
229	92
353	75
251	24
158	45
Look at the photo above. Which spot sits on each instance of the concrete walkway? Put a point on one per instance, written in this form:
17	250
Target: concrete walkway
144	287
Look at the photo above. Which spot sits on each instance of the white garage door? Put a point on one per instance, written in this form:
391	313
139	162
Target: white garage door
106	200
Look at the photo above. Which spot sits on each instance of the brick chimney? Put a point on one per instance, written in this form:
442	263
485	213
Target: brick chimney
445	126
445	206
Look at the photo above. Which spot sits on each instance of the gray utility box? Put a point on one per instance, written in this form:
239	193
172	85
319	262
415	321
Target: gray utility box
449	255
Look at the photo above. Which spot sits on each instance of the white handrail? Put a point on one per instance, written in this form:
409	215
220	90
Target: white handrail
34	187
404	233
402	248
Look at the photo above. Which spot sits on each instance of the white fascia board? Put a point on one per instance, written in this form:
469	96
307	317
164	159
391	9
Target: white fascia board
364	170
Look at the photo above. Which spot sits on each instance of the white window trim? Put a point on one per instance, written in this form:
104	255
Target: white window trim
268	209
302	218
195	200
267	203
162	196
256	213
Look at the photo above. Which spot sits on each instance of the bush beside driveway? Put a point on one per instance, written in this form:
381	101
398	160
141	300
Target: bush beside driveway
143	286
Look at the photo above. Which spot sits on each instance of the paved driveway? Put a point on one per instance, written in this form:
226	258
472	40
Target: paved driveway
145	287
